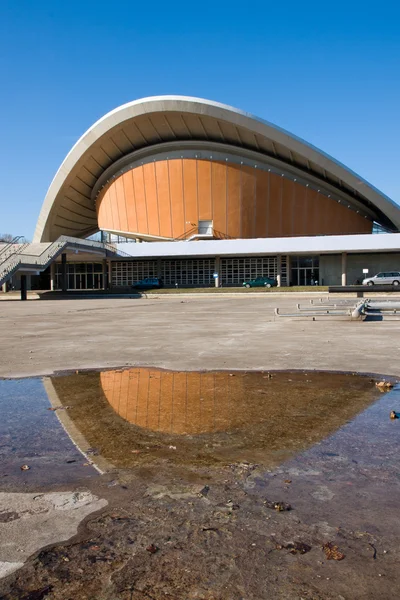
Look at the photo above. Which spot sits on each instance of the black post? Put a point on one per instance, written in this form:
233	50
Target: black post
64	285
23	287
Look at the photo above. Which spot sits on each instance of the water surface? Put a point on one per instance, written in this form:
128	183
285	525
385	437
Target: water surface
60	426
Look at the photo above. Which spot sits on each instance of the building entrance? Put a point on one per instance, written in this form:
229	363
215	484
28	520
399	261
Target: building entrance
305	270
81	276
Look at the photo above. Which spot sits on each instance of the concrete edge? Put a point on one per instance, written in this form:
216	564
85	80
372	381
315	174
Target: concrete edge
100	464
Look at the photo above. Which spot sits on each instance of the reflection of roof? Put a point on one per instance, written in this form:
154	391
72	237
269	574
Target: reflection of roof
148	124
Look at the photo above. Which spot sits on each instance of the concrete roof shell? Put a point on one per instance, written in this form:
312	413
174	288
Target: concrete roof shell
69	205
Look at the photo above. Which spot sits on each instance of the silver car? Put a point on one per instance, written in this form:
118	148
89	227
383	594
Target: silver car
387	278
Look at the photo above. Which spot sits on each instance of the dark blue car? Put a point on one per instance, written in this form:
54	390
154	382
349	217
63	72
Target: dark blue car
148	283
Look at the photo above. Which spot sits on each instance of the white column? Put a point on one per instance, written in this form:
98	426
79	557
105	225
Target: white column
52	276
217	268
278	270
344	268
109	275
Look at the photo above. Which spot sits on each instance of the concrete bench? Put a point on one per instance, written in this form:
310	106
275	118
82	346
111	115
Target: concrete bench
360	290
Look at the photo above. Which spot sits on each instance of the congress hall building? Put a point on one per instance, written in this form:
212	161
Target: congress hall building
201	194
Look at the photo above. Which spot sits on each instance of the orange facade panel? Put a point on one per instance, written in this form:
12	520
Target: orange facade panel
275	206
204	189
262	203
219	192
176	196
168	198
299	220
130	202
150	185
140	195
190	194
121	205
233	201
113	207
164	202
314	209
287	207
248	202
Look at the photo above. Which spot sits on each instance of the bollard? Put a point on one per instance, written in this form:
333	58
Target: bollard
23	287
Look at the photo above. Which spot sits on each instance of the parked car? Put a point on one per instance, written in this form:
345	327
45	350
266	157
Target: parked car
148	283
260	282
386	278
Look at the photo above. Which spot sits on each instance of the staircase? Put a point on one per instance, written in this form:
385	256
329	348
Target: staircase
196	234
37	257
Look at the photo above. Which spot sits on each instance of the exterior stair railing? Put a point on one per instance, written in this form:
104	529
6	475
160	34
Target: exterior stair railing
20	261
186	234
9	248
194	232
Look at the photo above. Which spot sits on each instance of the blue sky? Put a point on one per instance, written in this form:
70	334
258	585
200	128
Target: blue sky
328	72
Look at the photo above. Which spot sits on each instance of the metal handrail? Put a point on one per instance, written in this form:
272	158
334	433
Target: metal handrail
9	244
184	235
14	261
222	236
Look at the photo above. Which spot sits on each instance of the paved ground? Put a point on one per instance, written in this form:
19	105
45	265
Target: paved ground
206	533
40	337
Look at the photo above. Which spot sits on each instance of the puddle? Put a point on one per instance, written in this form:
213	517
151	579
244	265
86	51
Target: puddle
351	475
30	434
141	416
181	442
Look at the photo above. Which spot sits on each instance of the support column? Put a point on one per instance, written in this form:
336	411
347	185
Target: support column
159	268
288	270
278	270
344	268
4	287
105	275
64	284
109	274
52	276
23	287
217	268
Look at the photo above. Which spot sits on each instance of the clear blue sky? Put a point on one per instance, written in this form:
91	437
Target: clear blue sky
327	71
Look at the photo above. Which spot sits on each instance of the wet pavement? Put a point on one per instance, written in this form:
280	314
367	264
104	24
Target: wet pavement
218	485
30	434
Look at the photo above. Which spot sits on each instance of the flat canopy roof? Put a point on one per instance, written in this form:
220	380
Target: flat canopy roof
149	123
330	244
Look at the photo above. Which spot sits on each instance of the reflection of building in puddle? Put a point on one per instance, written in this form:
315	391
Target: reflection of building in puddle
134	416
177	402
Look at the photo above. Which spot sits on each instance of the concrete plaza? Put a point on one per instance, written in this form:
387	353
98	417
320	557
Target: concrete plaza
187	332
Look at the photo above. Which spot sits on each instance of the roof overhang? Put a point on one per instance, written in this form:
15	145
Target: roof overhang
329	244
147	124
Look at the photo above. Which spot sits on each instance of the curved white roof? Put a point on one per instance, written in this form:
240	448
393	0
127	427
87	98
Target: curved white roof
69	205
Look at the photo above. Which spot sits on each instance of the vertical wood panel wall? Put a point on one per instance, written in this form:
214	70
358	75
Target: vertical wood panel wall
168	198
